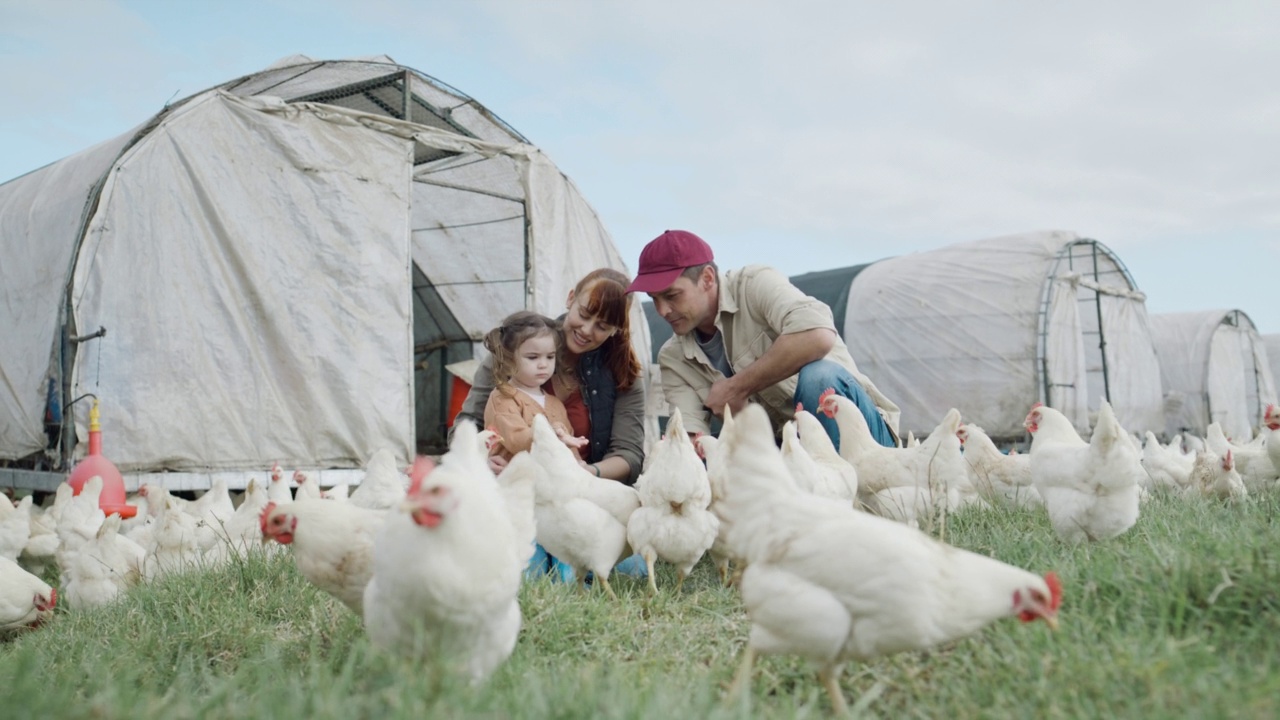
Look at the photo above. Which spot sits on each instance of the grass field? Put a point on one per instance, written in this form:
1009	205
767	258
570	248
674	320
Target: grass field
1180	617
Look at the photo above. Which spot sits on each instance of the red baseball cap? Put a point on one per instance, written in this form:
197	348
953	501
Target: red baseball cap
666	256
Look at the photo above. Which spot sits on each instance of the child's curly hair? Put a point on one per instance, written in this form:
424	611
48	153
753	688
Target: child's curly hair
505	340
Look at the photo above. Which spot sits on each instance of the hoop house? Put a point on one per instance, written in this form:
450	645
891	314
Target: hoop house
1215	368
283	265
992	326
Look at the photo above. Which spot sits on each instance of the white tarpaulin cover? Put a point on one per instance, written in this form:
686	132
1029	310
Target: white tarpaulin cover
40	216
252	262
992	326
1271	343
1215	369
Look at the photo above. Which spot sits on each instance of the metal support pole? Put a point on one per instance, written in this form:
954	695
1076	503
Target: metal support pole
1102	335
407	102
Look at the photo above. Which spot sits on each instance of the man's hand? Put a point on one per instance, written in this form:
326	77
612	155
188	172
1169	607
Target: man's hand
497	464
725	392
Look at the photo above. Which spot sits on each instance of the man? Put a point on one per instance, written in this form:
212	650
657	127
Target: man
749	335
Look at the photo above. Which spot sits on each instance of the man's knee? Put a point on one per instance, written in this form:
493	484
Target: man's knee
824	373
819	375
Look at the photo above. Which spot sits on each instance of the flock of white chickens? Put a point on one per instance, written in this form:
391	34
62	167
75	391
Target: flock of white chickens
825	544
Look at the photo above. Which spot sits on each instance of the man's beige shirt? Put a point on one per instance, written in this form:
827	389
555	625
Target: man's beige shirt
757	304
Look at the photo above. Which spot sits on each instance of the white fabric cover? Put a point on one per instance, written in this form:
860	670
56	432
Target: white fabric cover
1215	369
40	216
1064	355
250	260
1133	370
1271	345
252	269
960	327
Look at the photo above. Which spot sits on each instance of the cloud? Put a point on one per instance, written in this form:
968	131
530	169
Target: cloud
801	134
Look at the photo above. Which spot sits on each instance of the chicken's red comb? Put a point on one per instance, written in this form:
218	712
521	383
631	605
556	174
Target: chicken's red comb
1036	405
826	394
262	516
1271	410
42	606
799	407
422	467
1226	461
1055	589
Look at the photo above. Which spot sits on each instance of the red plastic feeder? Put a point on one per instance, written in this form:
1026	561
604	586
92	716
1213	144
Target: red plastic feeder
95	463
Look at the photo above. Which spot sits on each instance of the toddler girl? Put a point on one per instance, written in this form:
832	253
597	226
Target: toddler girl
524	352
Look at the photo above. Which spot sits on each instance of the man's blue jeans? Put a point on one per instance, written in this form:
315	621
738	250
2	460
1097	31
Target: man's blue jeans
819	375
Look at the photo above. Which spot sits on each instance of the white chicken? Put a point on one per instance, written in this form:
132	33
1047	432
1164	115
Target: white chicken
1168	467
1090	490
104	567
61	499
1252	459
448	561
338	492
709	449
174	546
1270	424
278	490
832	584
808	474
25	600
15	527
215	504
308	486
1216	477
1000	479
42	545
673	522
139	518
904	484
581	518
383	484
838	472
211	511
81	517
332	543
242	531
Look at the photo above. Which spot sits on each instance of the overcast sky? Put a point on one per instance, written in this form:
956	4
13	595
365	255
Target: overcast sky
804	135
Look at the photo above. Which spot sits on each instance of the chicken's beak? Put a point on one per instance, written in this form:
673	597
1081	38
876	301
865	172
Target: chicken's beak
1052	621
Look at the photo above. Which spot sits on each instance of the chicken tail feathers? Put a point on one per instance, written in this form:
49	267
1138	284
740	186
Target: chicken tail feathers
675	425
1107	431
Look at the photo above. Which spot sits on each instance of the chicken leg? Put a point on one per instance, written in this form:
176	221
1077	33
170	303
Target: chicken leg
604	583
742	678
649	557
830	678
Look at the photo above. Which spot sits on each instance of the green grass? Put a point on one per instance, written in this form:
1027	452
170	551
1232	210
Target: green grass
1180	617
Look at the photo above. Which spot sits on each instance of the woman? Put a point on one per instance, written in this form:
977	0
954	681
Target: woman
601	388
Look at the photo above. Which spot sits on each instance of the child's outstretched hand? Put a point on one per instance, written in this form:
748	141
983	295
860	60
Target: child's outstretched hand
568	438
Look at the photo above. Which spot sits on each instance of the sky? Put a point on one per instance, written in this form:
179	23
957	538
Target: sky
800	134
